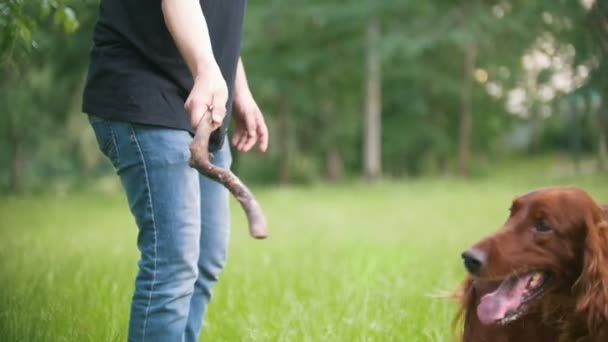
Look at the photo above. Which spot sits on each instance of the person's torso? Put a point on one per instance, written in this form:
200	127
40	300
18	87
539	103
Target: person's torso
137	73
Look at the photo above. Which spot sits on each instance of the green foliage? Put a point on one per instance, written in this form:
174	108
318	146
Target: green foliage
40	78
318	58
306	66
21	20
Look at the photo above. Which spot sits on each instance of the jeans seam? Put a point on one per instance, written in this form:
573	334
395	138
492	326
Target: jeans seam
150	202
115	144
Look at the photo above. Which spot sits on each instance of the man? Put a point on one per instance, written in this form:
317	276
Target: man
158	66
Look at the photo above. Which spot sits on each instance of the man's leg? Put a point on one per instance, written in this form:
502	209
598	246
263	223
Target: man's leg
163	194
215	233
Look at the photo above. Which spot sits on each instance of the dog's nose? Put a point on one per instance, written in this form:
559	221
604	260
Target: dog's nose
474	259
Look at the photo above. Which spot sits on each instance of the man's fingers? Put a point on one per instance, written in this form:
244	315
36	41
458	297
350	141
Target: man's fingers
217	115
247	131
240	139
252	138
235	137
243	141
253	130
196	113
262	134
197	105
218	110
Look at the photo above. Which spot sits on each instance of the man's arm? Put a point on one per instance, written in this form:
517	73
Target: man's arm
250	123
241	85
188	27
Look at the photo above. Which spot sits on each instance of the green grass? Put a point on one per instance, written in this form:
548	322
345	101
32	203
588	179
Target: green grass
343	263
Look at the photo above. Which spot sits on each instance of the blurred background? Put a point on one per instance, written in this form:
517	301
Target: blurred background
400	133
351	89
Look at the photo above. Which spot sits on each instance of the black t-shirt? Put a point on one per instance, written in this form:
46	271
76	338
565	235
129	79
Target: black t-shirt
137	74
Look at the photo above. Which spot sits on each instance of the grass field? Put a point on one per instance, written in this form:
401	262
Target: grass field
344	263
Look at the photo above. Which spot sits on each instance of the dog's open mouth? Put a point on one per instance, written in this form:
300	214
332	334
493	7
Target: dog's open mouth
512	297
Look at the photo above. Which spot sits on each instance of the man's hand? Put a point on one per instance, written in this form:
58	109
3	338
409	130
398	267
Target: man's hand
188	27
209	94
250	125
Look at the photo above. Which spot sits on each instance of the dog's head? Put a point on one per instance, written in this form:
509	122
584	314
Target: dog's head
553	241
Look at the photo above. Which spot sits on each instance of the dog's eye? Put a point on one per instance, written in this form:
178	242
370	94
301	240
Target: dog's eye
542	227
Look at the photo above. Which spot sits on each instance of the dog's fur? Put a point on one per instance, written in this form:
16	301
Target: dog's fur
574	307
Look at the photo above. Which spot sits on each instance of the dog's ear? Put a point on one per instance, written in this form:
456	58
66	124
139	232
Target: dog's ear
592	285
465	296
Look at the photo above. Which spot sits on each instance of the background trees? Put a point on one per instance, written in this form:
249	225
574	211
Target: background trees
349	87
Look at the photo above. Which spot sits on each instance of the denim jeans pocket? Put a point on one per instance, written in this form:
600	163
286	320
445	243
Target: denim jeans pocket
106	140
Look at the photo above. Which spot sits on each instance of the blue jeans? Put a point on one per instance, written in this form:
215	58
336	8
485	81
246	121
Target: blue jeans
183	221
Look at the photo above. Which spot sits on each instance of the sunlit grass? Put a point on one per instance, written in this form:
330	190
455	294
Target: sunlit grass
344	263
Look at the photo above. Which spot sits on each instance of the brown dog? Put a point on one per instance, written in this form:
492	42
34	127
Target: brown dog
543	276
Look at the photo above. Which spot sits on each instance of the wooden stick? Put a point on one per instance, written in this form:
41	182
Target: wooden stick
200	160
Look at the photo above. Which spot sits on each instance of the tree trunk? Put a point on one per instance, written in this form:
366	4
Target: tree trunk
335	167
575	133
18	166
372	129
602	156
284	136
602	118
466	116
598	25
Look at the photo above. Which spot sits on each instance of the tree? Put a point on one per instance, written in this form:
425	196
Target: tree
349	88
21	20
372	128
37	67
597	23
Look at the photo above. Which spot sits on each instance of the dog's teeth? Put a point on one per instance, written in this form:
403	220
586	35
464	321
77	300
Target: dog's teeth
535	279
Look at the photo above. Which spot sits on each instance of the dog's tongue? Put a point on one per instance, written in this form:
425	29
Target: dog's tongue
508	296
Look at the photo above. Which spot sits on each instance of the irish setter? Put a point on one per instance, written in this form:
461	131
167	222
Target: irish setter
543	277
